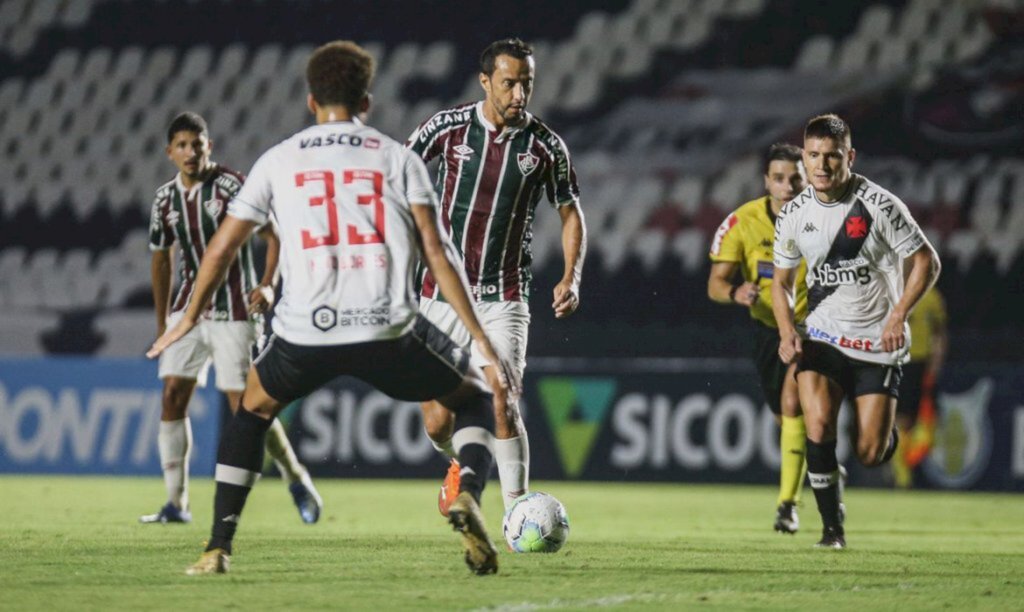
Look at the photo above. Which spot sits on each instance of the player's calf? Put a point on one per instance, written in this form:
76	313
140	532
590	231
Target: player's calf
825	478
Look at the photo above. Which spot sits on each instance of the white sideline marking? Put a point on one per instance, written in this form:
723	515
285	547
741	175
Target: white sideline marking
558	603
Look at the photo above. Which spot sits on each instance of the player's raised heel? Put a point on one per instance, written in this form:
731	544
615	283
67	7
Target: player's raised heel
449	488
465	517
168	514
216	561
307	500
786	518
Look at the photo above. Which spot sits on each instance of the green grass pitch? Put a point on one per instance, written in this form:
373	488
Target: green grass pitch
74	543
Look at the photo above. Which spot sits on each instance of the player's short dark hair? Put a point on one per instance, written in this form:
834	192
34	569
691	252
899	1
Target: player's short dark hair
782	151
339	73
506	46
828	126
187	122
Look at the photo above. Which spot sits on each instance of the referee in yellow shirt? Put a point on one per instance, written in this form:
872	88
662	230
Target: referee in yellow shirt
744	242
915	410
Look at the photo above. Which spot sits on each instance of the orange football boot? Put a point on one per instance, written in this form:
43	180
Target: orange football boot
450	489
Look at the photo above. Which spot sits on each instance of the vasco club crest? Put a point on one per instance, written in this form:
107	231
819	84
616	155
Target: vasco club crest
527	162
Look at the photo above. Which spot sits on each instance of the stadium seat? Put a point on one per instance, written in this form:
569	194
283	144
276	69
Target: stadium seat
649	245
126	333
875	22
22	331
815	54
691	247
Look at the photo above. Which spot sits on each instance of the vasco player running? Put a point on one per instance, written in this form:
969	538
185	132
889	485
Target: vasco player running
868	265
353	210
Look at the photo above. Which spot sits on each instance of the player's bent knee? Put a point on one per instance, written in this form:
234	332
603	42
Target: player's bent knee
437	421
870	452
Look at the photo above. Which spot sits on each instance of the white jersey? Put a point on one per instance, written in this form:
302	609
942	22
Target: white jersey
339	196
854	249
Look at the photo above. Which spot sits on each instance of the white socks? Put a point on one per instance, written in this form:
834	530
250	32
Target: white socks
174	442
281	452
513	459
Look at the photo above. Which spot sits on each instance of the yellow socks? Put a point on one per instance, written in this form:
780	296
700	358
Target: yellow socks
794	464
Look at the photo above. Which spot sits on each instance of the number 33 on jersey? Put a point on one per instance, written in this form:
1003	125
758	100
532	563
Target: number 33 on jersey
348	190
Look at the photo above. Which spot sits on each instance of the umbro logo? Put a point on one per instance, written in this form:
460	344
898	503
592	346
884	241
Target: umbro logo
810	228
462	152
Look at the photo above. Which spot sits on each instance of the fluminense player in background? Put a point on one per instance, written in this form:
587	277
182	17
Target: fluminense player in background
496	162
354	211
743	243
186	213
868	265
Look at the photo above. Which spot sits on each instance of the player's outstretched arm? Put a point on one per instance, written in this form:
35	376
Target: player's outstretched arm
790	346
574	249
922	270
262	297
220	252
452	282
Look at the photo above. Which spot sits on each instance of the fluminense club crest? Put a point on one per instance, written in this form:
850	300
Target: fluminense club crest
214	206
527	162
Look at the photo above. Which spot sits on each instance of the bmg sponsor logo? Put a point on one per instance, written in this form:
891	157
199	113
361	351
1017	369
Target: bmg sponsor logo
827	275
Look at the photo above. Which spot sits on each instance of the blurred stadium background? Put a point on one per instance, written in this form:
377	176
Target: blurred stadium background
666	105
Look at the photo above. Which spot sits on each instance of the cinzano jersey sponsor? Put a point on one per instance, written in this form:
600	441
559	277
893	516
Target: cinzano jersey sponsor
854	249
339	195
489	184
189	218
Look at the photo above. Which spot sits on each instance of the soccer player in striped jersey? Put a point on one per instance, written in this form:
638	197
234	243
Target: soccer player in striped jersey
868	264
355	212
743	243
496	162
186	213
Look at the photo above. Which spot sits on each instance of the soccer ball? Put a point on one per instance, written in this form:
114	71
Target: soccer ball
536	522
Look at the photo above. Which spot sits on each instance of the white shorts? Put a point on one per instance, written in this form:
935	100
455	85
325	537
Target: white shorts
227	344
506	323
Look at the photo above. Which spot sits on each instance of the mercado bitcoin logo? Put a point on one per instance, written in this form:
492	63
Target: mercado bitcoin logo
575	408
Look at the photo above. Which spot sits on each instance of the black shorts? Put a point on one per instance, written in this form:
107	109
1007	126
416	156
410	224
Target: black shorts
856	378
770	370
421	365
911	389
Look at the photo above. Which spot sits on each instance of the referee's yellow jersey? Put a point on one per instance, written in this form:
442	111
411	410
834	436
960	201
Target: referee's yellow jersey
745	238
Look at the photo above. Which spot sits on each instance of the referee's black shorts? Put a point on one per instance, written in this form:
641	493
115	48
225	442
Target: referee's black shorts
421	365
771	371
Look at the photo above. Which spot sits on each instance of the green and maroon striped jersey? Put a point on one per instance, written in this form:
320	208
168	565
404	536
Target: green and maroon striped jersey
489	184
189	217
